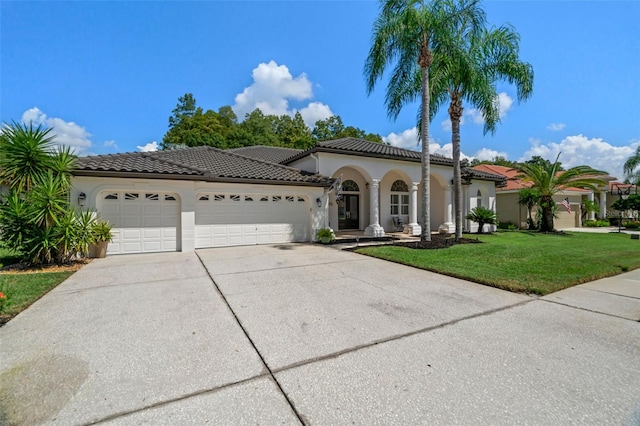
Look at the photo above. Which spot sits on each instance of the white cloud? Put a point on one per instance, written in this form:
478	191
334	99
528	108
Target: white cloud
272	88
476	116
110	144
408	139
581	150
67	133
315	111
504	102
555	127
446	124
489	154
151	146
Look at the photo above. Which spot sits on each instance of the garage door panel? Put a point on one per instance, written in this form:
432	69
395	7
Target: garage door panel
142	222
131	247
151	222
154	233
130	234
255	219
150	246
153	208
129	209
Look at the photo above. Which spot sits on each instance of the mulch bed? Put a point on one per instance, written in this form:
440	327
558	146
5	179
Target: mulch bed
23	268
438	241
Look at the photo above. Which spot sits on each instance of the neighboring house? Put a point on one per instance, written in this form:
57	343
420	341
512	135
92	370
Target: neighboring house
205	197
509	210
613	196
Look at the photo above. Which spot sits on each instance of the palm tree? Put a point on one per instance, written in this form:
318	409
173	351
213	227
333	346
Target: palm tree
404	35
25	155
528	197
482	215
471	64
547	179
630	165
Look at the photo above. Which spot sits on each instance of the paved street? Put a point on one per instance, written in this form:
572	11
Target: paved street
303	333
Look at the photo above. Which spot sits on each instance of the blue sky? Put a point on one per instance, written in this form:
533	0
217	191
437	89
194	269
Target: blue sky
106	75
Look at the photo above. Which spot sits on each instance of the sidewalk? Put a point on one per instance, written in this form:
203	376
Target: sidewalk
618	296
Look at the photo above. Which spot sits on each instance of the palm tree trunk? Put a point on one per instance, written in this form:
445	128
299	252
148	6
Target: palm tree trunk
424	60
455	112
547	214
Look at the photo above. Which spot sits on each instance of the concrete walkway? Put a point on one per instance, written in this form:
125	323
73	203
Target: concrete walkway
307	334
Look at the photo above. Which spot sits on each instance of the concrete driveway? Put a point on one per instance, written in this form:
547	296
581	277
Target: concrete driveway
308	334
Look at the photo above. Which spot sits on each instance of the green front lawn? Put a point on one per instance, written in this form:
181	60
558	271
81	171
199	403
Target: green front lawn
524	261
21	290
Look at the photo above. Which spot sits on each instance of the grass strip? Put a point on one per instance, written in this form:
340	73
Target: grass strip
525	262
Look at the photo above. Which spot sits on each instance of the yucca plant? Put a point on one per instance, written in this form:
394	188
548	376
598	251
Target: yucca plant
15	226
26	155
35	217
86	221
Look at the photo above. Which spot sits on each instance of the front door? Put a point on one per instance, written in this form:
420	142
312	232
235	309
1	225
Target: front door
348	212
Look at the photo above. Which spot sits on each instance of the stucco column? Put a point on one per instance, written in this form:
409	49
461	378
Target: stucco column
448	227
374	229
603	205
413	228
591	197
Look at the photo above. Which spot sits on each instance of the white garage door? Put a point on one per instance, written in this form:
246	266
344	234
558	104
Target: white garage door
565	219
240	219
143	222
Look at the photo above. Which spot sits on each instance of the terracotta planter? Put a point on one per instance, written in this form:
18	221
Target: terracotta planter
98	250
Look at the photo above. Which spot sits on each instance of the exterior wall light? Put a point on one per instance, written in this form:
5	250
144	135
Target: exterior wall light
319	201
82	197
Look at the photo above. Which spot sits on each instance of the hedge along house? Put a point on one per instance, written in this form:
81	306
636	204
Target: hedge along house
204	197
509	209
381	186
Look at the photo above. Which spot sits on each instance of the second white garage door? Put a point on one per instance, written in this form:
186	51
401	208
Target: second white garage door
242	219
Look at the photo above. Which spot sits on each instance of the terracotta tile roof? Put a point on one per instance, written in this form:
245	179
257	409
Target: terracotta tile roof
198	163
273	154
510	174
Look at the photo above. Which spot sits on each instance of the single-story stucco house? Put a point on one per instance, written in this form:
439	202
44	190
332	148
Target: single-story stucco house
509	210
201	197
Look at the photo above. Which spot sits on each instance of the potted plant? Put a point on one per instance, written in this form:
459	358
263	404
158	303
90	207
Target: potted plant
325	235
100	238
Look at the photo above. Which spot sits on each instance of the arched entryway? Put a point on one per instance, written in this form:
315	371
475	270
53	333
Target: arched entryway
349	206
350	211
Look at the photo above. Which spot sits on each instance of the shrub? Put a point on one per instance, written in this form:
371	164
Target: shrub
482	215
36	218
507	225
631	224
600	223
325	234
101	231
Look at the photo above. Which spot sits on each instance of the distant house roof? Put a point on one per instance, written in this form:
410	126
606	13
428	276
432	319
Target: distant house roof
273	154
198	163
513	184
